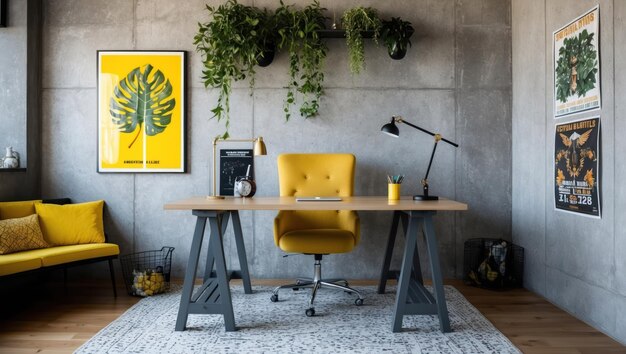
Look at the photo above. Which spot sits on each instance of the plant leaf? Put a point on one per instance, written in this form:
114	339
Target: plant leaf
143	97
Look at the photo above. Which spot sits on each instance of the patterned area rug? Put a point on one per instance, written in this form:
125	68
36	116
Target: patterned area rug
282	327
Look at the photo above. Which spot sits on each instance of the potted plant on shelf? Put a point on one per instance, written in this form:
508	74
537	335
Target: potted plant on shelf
355	21
396	35
298	34
268	34
231	44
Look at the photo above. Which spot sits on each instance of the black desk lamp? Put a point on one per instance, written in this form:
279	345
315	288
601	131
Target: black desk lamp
392	129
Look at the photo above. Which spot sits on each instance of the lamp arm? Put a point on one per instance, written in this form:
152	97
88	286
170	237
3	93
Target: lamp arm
430	163
401	120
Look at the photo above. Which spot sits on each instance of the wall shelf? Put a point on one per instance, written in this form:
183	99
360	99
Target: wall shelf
339	33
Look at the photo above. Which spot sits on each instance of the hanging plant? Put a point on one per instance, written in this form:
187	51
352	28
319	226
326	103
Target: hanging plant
231	44
355	21
396	35
576	67
297	30
268	35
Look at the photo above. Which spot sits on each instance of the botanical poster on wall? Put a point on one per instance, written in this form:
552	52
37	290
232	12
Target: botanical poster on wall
577	65
577	167
141	111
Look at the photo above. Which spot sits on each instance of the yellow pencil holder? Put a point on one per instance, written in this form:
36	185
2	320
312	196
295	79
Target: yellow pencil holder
393	191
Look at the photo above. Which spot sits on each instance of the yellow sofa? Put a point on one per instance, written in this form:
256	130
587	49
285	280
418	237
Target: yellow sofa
55	257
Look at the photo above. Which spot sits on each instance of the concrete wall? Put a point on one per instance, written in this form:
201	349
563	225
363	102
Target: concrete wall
576	262
455	80
20	98
13	79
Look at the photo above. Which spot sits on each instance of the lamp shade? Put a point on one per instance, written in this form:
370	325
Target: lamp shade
259	147
391	128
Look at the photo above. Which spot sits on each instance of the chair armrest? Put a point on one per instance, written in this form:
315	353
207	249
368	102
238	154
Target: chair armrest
279	226
351	222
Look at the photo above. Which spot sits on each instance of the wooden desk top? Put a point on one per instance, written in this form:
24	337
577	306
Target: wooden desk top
289	203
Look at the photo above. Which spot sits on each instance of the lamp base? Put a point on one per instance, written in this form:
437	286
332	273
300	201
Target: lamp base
215	197
425	197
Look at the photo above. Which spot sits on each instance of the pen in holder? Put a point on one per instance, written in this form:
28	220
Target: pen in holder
393	187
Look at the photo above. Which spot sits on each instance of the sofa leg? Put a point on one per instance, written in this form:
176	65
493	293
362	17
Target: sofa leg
65	280
112	277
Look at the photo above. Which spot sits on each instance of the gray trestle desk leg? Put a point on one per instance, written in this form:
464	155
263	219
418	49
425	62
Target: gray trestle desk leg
435	266
241	252
213	297
412	298
417	268
225	301
210	259
190	273
385	273
405	274
391	240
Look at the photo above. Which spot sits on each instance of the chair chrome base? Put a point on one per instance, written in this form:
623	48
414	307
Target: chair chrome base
315	284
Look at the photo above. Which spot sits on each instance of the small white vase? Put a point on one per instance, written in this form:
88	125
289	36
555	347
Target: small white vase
11	159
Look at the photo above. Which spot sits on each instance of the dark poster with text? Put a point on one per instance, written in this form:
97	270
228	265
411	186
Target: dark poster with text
234	163
577	167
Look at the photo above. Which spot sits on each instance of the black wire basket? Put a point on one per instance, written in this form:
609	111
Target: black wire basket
147	273
493	263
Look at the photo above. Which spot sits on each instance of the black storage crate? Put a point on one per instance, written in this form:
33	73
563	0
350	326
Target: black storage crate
490	263
147	273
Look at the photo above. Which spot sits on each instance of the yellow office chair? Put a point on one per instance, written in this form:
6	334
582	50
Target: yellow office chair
316	232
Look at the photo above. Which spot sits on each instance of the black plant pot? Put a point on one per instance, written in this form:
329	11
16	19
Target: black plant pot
267	56
396	52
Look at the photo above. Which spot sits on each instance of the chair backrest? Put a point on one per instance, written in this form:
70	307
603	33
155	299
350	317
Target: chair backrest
316	175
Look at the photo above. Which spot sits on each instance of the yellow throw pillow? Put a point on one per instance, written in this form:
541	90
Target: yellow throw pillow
11	210
20	234
71	224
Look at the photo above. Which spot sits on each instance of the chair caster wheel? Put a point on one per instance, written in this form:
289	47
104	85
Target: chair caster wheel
310	312
358	302
274	298
295	289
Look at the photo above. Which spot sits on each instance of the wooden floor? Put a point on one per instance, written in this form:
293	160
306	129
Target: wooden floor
59	323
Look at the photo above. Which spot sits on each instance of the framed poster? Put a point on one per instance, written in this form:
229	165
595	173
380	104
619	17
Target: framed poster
234	163
3	13
577	167
577	65
141	111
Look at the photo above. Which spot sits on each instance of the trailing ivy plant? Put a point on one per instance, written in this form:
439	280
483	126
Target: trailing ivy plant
355	21
576	67
298	34
230	44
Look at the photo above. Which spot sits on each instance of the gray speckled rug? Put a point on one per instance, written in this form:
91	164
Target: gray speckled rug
263	326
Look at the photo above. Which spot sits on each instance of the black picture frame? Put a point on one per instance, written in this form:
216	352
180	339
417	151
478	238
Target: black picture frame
184	76
234	163
3	13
